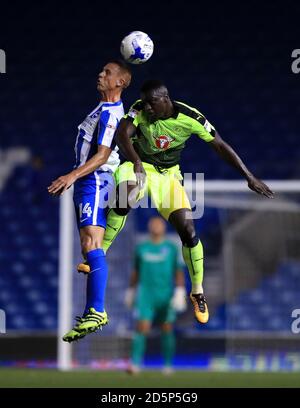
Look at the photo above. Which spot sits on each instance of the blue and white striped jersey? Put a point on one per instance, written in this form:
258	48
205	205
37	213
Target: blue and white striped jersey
107	116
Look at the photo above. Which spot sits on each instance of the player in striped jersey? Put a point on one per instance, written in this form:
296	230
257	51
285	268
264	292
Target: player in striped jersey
96	160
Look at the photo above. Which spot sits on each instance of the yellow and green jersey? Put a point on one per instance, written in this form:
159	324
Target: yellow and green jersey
160	143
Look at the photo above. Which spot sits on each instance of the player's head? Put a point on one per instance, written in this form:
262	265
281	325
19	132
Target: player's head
115	75
157	227
156	100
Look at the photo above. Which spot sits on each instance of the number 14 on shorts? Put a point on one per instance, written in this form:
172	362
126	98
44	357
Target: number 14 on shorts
85	212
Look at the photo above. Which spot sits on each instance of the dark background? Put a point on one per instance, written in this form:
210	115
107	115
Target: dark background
231	60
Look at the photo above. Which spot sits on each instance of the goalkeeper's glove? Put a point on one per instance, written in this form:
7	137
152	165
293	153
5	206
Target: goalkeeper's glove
179	299
129	297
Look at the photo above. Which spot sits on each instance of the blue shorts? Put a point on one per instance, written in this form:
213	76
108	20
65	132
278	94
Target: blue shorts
92	195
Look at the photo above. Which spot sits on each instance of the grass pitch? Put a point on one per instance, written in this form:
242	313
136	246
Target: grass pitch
36	378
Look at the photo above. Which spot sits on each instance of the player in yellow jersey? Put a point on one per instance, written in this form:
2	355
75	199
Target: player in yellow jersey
151	137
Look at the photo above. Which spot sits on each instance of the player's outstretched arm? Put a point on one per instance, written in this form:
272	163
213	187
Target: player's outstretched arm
228	154
62	183
125	132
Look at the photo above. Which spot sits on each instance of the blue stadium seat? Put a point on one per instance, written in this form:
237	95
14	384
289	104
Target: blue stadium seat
267	307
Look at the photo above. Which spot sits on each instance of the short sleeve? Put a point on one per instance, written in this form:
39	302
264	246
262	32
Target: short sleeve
107	127
203	128
135	113
178	264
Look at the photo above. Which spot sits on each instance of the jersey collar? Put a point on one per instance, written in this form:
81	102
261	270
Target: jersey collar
176	110
112	103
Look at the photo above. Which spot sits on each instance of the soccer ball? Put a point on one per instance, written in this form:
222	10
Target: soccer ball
137	47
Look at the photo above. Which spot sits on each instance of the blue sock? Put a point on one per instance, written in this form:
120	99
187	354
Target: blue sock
96	281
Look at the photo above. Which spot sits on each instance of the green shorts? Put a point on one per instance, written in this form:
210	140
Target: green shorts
164	188
161	312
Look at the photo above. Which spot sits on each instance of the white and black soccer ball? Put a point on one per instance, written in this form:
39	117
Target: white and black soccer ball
137	47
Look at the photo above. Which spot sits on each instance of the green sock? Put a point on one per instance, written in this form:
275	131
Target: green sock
193	258
138	348
114	226
168	347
